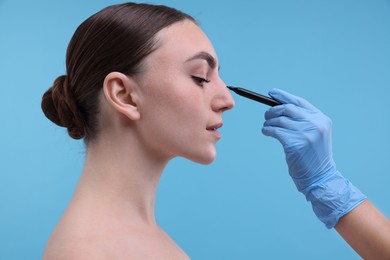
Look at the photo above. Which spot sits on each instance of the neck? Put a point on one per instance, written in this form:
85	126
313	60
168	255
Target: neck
120	178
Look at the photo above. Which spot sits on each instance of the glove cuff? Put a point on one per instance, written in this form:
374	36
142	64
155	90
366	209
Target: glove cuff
332	198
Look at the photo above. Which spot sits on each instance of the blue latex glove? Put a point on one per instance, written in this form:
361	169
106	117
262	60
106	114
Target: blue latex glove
305	134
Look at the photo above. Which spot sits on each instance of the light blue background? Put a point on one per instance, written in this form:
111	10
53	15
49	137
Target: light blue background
335	53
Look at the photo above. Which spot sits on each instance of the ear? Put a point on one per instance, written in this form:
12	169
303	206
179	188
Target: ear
121	93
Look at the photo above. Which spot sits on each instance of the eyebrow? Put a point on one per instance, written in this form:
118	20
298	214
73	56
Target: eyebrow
205	56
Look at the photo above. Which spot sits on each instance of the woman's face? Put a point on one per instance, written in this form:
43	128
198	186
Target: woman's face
182	97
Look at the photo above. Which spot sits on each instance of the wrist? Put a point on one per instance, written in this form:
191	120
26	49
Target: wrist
332	198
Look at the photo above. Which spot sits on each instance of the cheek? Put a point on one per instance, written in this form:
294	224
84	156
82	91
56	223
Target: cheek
179	101
176	115
179	129
184	115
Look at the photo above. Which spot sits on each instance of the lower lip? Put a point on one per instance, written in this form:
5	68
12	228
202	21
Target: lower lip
215	133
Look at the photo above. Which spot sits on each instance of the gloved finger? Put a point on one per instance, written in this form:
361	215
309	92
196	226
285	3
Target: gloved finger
288	110
284	136
288	98
289	124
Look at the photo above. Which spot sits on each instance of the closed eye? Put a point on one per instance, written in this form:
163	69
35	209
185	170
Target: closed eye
199	80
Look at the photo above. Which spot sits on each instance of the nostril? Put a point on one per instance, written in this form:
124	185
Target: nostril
223	101
229	106
224	105
230	101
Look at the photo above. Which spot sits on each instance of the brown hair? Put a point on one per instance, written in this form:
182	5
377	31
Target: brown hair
117	38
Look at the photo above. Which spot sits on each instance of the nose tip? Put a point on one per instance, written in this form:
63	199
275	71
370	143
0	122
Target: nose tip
230	102
224	101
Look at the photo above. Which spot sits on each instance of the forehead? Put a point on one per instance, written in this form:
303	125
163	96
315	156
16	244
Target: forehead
179	42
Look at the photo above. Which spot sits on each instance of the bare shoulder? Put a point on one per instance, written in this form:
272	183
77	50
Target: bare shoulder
62	249
71	244
68	251
131	246
73	241
74	238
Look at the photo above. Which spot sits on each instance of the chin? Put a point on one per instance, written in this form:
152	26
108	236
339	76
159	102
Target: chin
204	158
203	155
205	161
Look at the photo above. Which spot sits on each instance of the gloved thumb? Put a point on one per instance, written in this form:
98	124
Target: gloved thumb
288	98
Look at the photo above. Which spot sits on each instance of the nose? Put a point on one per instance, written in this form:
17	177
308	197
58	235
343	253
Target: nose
222	100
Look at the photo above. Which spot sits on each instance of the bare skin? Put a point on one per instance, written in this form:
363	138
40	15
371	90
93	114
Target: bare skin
145	121
108	217
367	231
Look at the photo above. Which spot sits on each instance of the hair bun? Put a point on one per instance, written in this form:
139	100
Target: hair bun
60	107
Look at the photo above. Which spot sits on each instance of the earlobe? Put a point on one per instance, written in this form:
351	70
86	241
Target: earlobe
121	93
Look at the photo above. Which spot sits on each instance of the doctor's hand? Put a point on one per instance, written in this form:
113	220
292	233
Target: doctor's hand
306	136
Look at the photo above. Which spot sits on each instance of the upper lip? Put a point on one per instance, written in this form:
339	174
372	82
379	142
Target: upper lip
214	126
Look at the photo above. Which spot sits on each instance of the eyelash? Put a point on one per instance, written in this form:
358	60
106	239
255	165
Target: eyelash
200	81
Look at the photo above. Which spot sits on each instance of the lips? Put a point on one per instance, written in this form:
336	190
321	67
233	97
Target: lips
213	130
214	127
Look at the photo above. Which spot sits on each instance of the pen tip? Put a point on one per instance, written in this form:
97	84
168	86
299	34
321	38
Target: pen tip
230	87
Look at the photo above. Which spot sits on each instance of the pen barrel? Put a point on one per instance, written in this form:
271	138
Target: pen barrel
257	97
